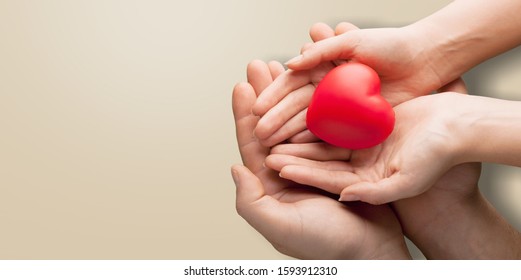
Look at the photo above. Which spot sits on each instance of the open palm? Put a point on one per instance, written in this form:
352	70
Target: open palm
416	154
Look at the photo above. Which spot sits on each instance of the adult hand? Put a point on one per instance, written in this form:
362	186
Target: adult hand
396	54
416	154
451	220
297	220
403	70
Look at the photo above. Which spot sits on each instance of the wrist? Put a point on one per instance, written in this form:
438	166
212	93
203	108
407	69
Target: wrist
447	115
487	130
468	229
443	233
467	32
446	54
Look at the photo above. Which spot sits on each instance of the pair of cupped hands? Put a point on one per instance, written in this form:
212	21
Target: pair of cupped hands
288	188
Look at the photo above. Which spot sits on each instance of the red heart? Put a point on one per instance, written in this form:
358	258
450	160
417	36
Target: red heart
347	109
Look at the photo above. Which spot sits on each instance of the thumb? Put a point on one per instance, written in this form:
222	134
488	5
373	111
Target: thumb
384	191
251	200
262	212
249	187
338	47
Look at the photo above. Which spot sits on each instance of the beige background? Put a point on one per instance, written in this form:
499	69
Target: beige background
116	132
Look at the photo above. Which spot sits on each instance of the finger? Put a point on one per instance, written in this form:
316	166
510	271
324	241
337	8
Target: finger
291	128
340	29
249	186
243	98
276	68
305	47
457	85
251	151
305	136
259	75
285	83
314	151
287	108
320	31
344	27
279	161
384	191
329	180
338	47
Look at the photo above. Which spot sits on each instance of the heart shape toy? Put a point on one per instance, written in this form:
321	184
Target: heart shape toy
347	109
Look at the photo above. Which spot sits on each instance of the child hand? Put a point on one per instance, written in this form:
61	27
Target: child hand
293	90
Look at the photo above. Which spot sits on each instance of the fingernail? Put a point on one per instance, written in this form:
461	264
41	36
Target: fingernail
349	197
293	60
235	176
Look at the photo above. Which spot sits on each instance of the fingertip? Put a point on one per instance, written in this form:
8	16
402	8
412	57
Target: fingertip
276	68
274	162
242	96
344	27
254	70
262	141
277	149
269	142
306	47
241	86
320	31
249	187
294	61
330	49
257	109
348	197
304	61
235	174
283	172
254	64
286	171
262	130
297	173
275	64
261	106
318	26
305	136
358	192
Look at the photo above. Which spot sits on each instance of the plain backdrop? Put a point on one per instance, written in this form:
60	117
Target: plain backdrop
116	130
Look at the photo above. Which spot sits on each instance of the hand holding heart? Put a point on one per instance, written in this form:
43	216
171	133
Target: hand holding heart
417	153
403	166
